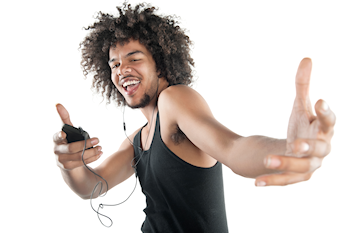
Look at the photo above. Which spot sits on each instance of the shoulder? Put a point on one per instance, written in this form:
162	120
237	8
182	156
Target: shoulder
178	95
178	89
180	102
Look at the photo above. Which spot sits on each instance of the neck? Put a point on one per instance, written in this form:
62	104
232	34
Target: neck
152	108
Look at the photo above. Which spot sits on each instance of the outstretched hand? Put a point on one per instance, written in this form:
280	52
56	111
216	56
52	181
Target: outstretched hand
308	137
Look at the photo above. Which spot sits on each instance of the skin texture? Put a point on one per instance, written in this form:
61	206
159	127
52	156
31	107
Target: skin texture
270	161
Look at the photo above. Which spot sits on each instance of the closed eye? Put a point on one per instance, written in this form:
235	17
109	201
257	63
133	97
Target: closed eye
116	65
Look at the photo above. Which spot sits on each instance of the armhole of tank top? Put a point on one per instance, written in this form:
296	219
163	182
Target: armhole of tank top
177	157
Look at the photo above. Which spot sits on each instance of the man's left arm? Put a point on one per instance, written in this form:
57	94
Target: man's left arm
270	161
243	155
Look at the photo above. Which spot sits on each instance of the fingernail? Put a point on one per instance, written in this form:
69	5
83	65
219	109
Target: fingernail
304	147
94	141
272	162
324	107
275	162
99	148
261	183
60	135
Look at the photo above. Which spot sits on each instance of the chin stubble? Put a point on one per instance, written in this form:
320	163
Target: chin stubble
146	99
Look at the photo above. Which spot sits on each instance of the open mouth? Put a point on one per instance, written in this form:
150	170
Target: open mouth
131	86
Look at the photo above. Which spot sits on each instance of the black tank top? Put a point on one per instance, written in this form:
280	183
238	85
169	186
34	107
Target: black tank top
180	197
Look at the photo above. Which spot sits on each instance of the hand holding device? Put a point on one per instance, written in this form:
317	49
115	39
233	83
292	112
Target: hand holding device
69	144
74	134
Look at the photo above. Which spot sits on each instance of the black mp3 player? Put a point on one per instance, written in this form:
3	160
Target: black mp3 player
74	134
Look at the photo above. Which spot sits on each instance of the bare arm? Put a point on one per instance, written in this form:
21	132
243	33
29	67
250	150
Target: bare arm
270	161
243	155
115	169
249	153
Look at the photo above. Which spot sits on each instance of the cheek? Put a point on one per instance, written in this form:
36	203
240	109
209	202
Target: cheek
115	78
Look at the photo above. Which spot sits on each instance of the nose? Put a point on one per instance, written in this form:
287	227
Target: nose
124	70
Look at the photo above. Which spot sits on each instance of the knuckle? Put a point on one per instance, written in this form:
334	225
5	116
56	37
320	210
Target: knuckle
77	156
86	156
323	149
90	160
58	137
68	166
295	146
55	150
70	148
97	150
320	148
60	160
285	164
301	147
96	157
61	164
307	176
314	163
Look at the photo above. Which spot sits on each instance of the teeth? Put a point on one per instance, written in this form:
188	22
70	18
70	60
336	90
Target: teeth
130	82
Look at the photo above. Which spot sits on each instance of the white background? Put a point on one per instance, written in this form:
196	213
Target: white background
246	54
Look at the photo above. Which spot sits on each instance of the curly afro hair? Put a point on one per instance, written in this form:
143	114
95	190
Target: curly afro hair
164	39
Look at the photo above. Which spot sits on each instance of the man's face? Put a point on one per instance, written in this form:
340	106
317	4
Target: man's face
134	73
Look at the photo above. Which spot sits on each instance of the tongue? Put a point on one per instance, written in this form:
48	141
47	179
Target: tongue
131	87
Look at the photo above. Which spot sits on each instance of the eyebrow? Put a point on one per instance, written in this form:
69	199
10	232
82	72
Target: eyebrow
127	55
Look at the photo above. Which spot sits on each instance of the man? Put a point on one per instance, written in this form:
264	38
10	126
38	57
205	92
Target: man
142	60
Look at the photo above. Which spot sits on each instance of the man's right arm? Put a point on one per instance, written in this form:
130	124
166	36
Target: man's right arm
115	169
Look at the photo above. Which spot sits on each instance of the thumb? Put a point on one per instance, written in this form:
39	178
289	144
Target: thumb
63	114
302	79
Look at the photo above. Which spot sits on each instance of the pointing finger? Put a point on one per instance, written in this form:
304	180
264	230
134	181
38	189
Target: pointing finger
63	114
